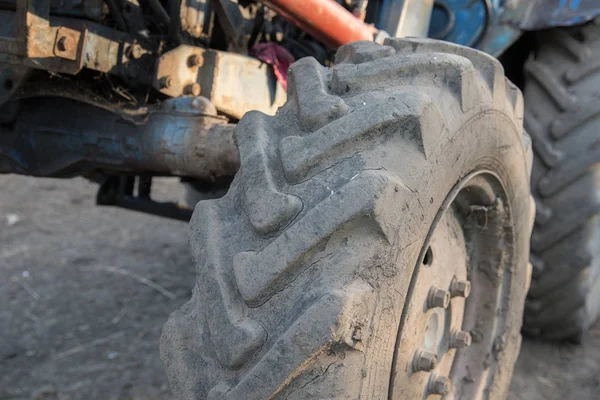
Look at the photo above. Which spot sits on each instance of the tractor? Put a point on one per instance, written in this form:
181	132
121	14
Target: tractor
376	210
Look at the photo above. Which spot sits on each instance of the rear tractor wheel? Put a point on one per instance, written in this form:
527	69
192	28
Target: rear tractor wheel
374	243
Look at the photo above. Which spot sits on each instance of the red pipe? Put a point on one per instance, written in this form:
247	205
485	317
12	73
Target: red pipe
326	20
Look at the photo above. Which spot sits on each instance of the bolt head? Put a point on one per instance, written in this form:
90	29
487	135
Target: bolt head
194	61
424	361
460	289
438	297
439	385
460	339
166	82
65	43
193	89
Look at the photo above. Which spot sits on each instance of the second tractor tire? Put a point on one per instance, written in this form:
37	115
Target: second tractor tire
562	115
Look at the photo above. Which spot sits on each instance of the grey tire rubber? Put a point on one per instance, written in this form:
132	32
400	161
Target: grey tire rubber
304	268
562	115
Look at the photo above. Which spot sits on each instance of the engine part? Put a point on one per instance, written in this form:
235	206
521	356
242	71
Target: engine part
64	138
328	21
406	17
403	167
68	45
235	84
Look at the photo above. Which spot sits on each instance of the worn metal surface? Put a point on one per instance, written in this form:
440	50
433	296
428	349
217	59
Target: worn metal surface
63	138
467	22
86	45
328	21
504	30
234	83
543	14
402	18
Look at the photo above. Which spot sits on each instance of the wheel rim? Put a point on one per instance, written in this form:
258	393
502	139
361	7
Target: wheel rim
450	334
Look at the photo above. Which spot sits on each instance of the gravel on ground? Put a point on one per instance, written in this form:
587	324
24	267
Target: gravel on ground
87	289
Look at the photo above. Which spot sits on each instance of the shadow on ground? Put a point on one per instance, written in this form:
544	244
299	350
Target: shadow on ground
86	290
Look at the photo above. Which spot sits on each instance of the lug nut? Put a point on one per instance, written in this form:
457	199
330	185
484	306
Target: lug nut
193	89
166	82
460	288
439	385
438	297
194	61
424	361
460	339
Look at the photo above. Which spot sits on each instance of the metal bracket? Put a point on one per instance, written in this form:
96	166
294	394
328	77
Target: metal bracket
66	44
189	70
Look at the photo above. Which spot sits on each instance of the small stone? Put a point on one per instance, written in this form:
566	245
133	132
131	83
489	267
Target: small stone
12	219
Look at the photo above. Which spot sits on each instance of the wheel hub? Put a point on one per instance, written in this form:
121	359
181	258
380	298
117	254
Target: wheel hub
434	355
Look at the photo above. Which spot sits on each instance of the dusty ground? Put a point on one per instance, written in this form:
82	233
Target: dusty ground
85	292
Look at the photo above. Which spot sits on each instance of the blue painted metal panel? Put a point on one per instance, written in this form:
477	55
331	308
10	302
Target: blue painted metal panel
467	19
550	13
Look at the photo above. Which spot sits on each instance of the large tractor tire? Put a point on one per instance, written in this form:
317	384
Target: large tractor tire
562	115
339	264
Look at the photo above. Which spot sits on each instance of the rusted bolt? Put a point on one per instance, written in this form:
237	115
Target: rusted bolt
460	339
438	297
439	385
65	43
424	361
460	288
166	82
194	61
193	89
136	51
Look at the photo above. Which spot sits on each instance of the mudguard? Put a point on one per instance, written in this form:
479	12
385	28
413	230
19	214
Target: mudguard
544	14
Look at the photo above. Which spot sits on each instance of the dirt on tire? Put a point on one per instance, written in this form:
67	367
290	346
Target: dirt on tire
303	267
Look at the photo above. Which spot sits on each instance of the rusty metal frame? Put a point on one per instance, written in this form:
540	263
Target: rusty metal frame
56	48
32	23
31	39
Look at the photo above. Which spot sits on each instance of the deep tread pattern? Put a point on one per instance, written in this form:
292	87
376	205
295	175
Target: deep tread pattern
247	334
486	66
315	106
256	154
458	73
573	119
562	116
361	52
551	84
579	72
343	309
304	156
357	199
547	153
293	261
